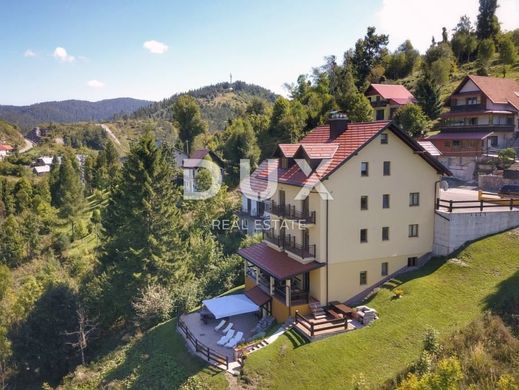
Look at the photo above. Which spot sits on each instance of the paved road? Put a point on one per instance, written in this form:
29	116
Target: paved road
28	146
110	134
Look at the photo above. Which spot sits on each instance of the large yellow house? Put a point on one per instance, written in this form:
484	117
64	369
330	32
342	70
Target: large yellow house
377	219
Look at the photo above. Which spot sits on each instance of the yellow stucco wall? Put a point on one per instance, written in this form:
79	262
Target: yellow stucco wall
346	255
249	283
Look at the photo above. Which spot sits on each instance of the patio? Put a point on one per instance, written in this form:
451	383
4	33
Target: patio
205	333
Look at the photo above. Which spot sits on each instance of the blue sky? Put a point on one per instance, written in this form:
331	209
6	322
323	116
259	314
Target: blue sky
63	49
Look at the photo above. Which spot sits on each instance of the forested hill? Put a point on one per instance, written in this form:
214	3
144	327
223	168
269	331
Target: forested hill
68	111
10	134
218	103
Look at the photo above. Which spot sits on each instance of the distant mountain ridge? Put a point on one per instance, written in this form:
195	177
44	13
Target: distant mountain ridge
219	102
68	111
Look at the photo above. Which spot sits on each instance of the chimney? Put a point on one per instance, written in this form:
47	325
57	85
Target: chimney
338	122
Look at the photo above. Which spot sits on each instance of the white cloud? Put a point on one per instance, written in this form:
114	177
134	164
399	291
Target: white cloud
155	47
95	84
29	53
61	54
420	20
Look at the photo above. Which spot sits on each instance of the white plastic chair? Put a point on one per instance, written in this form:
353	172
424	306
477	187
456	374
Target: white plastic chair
220	325
225	339
235	340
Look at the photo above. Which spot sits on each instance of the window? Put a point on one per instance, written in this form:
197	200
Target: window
472	100
282	198
493	141
392	112
456	142
363	202
385	233
411	261
387	168
284	163
385	201
413	230
363	278
380	115
383	139
363	235
364	169
385	269
414	199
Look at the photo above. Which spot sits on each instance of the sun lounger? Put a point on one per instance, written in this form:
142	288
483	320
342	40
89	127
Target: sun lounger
220	325
225	339
227	328
235	340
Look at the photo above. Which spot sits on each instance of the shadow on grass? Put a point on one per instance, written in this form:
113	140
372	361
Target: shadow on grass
505	302
158	360
296	339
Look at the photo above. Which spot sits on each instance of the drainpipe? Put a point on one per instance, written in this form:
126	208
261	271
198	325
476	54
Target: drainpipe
436	194
326	259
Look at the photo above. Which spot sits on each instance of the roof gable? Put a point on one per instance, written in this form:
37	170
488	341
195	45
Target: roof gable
395	92
498	90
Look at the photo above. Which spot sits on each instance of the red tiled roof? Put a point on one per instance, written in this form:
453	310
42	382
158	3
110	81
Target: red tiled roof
275	263
196	155
461	136
319	151
497	89
4	147
258	296
349	142
288	150
395	92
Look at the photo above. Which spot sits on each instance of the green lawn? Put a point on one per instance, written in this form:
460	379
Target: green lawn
443	295
157	360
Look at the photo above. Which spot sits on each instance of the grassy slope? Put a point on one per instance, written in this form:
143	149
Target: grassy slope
442	295
158	360
10	134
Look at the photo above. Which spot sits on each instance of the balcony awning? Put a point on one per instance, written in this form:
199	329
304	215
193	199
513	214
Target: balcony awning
230	305
278	264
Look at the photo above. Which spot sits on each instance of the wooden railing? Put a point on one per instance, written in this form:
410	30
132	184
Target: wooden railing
210	354
477	205
336	324
468	107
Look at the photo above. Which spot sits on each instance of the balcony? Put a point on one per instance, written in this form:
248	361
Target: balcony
289	244
468	108
453	127
290	212
379	103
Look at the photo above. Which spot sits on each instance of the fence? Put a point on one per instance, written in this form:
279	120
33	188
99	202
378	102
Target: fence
481	205
209	354
314	329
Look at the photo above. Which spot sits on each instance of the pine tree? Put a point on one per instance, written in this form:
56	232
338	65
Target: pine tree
69	187
188	118
141	223
428	95
23	194
487	24
355	104
11	243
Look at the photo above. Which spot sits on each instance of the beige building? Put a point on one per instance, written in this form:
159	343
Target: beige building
386	99
380	219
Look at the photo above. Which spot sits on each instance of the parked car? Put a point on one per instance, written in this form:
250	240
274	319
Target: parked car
509	190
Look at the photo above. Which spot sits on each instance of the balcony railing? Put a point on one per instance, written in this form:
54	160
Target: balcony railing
379	103
446	126
288	243
468	108
251	214
290	212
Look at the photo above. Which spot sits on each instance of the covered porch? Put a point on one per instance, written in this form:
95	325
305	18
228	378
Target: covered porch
282	278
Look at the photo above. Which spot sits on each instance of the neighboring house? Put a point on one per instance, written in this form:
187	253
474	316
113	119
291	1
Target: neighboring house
44	160
386	99
483	118
381	218
191	166
36	135
5	150
487	106
41	169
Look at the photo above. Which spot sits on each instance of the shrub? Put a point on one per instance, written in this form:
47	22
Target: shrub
153	305
430	341
506	157
398	292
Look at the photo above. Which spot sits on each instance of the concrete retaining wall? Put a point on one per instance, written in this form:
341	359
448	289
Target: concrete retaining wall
452	230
